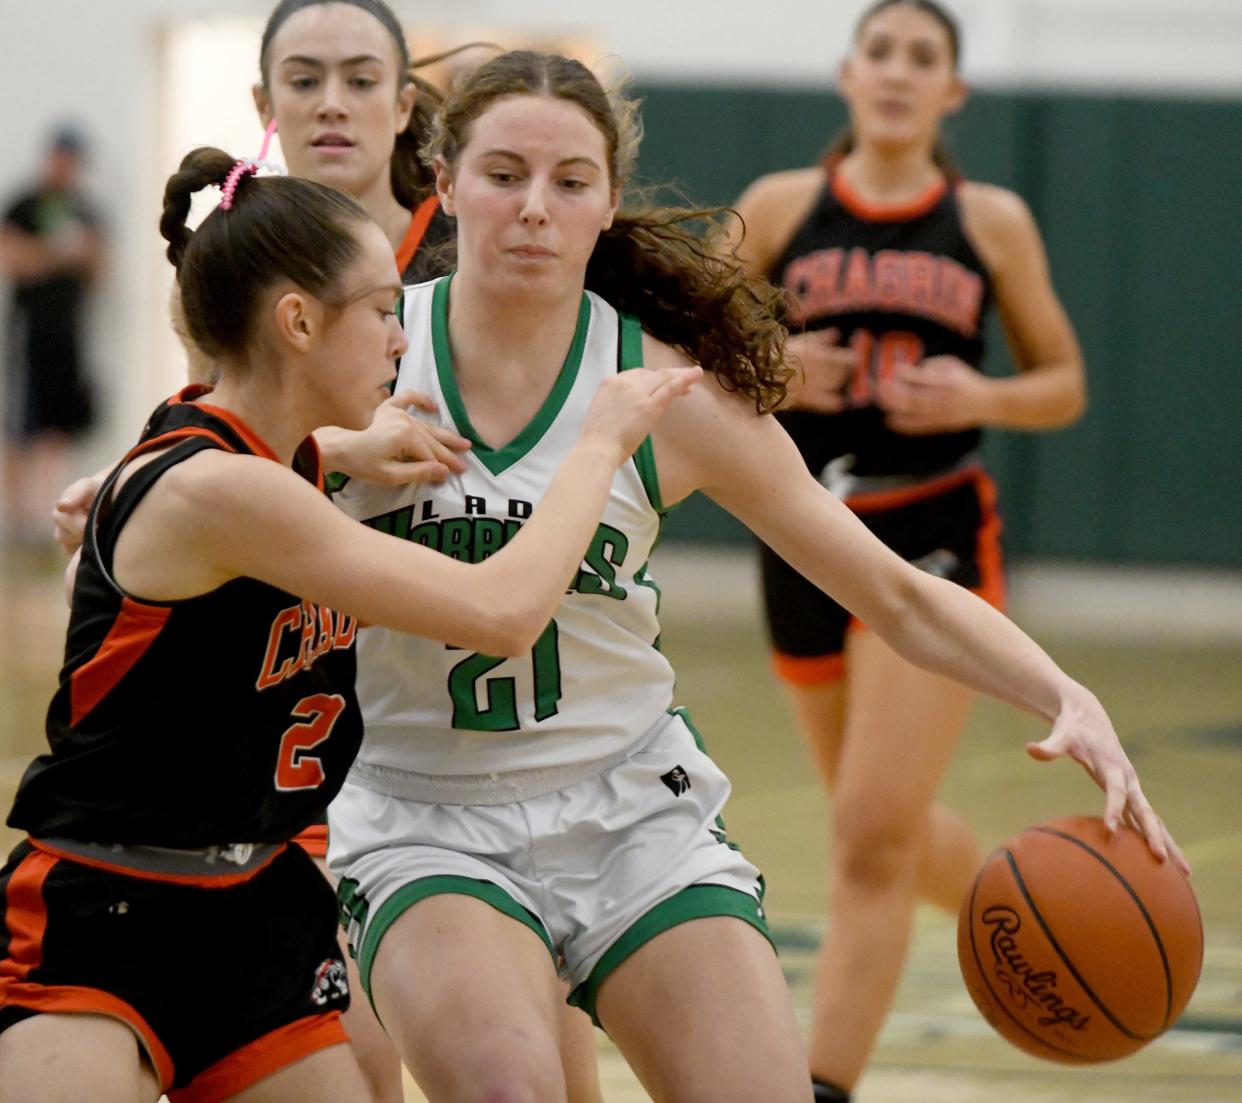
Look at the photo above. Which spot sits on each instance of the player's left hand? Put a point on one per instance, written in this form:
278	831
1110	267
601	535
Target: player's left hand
1084	733
941	394
398	448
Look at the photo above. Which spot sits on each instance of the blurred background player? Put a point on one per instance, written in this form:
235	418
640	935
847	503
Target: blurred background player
51	250
890	263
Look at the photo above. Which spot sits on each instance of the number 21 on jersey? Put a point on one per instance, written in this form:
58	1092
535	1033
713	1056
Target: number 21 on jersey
486	704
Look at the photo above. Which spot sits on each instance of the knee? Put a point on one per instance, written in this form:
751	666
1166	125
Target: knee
512	1073
874	850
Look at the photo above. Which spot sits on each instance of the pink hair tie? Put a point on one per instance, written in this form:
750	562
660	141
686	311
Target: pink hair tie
242	168
248	167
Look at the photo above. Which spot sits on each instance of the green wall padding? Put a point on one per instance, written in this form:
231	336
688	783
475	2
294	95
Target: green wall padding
1140	203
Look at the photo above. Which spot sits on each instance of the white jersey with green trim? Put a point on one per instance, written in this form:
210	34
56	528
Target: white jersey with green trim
595	681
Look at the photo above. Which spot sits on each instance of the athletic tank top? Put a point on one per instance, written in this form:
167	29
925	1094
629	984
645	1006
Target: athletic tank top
901	285
229	717
595	681
421	255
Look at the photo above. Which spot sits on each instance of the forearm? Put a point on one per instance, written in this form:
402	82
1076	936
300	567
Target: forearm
531	573
1048	397
947	630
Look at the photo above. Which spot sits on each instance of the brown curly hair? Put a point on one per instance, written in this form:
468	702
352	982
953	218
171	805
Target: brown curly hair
650	262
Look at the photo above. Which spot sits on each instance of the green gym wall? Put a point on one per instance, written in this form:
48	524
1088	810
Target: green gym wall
1140	203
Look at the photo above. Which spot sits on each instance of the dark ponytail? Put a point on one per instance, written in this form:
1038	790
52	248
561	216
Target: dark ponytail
278	228
652	264
413	178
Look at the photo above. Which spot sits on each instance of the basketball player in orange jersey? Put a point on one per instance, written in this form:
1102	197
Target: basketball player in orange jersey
159	935
336	77
890	263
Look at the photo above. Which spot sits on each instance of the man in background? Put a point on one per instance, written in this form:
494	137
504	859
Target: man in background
51	251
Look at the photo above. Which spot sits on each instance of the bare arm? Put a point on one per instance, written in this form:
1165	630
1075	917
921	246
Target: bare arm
219	516
27	256
748	465
24	256
1050	389
766	216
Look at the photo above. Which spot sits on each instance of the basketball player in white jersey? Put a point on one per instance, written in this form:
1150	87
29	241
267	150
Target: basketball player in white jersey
509	819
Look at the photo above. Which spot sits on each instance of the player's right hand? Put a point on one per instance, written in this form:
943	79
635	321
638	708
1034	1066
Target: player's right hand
824	370
627	405
71	510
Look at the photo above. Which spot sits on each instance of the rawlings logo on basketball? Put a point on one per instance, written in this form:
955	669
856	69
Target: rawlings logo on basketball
330	984
1025	986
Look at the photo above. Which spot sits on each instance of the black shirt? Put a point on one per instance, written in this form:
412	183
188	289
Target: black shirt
900	285
226	717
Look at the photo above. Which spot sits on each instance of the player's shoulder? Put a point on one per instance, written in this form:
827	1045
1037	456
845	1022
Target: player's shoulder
993	209
658	354
998	223
708	397
771	209
216	479
777	189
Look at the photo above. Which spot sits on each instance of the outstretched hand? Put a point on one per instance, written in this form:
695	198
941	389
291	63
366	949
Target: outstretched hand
1085	734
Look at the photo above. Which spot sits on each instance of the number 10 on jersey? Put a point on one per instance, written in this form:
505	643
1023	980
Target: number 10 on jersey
493	706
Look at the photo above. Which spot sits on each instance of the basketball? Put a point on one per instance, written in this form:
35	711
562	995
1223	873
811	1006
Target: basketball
1078	947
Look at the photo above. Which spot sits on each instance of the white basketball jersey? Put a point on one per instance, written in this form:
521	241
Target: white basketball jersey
595	681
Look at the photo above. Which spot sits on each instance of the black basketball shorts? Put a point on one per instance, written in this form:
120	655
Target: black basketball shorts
222	985
947	526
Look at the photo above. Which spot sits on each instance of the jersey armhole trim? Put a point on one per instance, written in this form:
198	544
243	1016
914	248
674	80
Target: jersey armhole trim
630	355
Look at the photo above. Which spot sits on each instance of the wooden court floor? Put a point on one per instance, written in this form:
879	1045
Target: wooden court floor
1177	704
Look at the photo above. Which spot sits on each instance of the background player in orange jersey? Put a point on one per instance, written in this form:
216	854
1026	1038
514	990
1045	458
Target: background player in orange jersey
890	263
159	820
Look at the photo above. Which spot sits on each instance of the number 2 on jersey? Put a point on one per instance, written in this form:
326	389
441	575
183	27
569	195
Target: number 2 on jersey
499	710
295	769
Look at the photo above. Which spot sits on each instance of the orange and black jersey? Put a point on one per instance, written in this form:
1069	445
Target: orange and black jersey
224	718
901	285
422	256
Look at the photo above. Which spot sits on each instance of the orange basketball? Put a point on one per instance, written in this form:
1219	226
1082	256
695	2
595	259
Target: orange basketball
1078	947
